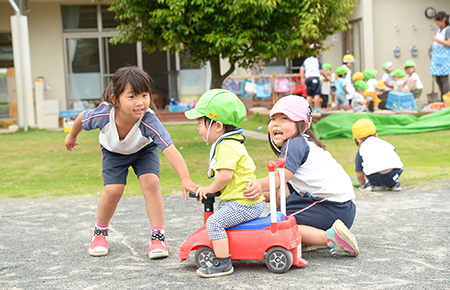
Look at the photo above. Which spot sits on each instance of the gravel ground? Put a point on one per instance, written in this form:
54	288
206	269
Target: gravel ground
403	238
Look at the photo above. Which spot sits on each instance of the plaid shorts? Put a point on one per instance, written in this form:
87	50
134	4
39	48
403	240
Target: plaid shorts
231	213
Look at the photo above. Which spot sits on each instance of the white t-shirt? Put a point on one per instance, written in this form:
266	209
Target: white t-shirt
388	79
326	86
375	155
146	130
349	87
356	106
315	171
312	67
413	77
371	83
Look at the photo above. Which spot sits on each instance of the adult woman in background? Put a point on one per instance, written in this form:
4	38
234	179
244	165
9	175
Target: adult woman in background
440	59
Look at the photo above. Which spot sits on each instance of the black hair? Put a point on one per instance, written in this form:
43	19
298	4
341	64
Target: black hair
302	128
138	79
364	138
228	128
440	16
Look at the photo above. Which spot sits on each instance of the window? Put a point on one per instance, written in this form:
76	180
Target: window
79	17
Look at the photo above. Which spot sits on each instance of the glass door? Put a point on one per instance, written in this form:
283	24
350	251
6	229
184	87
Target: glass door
83	72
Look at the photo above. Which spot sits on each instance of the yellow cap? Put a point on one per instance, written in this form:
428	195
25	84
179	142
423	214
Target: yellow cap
362	128
381	83
348	58
358	76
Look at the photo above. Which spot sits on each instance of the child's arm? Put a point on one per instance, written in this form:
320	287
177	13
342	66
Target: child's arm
345	89
71	138
361	177
413	83
302	74
220	181
401	86
178	163
255	188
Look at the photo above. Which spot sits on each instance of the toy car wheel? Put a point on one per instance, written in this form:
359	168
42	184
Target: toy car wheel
279	260
203	255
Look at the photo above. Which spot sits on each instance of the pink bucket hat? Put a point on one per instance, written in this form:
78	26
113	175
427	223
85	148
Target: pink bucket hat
295	108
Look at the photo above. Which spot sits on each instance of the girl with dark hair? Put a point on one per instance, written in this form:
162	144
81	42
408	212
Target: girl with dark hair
130	135
440	59
320	192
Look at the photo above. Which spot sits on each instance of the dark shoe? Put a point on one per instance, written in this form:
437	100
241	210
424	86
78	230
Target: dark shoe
396	187
217	268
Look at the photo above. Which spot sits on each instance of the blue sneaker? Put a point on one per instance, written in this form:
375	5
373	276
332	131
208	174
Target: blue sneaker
396	187
317	110
367	186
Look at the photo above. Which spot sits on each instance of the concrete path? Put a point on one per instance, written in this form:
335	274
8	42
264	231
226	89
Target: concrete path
403	238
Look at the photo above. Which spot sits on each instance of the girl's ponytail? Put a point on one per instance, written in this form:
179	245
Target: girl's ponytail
106	96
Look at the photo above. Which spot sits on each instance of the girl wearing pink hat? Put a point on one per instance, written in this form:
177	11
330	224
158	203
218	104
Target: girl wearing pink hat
320	194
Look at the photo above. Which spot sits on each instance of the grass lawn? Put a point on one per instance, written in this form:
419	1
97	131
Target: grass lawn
35	164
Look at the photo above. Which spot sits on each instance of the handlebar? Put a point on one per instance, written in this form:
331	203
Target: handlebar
209	195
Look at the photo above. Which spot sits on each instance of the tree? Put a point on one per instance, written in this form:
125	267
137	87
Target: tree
242	31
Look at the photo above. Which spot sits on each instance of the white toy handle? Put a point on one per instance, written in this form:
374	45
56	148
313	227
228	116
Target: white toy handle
272	165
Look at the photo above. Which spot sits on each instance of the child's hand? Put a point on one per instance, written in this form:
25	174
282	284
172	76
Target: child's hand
188	185
253	190
203	191
70	142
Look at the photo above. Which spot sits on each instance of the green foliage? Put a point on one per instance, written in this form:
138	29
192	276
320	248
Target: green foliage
241	31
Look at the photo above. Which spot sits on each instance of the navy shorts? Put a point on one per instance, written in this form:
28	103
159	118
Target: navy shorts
388	179
318	212
313	87
115	166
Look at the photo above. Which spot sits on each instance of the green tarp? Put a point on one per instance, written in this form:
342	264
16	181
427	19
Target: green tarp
340	124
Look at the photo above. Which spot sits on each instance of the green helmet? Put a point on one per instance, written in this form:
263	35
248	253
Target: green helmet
387	65
327	66
409	63
219	105
360	85
369	73
398	73
341	70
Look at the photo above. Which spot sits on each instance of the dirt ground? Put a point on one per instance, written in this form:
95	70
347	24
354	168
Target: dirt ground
403	238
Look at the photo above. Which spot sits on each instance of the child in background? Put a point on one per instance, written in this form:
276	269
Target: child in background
388	83
130	135
319	192
218	113
326	85
348	61
412	80
333	89
398	76
373	89
359	103
376	162
341	91
358	76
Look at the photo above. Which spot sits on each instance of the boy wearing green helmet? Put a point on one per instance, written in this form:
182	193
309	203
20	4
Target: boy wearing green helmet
412	82
359	103
398	76
341	87
388	82
373	89
218	113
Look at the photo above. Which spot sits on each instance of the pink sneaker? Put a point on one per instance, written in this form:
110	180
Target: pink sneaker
157	250
99	243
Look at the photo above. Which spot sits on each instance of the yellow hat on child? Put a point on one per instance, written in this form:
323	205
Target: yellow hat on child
362	128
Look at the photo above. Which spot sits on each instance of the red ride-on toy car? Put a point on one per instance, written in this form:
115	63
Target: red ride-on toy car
274	238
